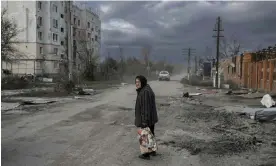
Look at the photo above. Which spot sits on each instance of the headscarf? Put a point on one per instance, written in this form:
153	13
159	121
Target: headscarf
143	81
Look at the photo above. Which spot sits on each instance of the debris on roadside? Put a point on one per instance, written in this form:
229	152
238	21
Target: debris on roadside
261	114
226	86
268	114
187	94
267	101
229	92
195	94
237	92
82	91
36	102
165	104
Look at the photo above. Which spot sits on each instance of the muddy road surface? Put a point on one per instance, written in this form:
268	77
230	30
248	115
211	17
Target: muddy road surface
100	132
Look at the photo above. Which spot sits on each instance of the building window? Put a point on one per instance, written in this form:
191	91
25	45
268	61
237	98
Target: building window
92	39
92	29
61	3
55	8
75	19
78	22
89	35
41	50
62	43
39	5
55	37
40	21
74	32
55	50
74	43
79	34
96	38
40	35
55	23
61	29
62	56
88	24
61	15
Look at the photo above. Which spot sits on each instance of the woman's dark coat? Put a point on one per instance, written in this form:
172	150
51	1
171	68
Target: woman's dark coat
145	108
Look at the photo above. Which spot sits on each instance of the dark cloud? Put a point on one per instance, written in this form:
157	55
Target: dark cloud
170	26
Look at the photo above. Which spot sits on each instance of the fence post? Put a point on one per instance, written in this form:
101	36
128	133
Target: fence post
271	70
265	66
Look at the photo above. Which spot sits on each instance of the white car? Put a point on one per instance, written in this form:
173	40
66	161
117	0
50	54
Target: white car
164	75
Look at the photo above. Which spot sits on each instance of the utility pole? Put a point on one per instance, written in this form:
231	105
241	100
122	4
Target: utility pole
146	52
122	62
189	52
218	29
69	49
195	64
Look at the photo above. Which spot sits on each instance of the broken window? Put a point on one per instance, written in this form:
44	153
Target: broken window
40	35
55	50
40	21
41	50
39	5
55	23
55	8
55	37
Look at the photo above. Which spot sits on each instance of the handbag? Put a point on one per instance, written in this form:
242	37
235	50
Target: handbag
147	140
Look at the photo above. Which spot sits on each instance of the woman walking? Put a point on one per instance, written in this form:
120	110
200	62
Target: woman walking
145	109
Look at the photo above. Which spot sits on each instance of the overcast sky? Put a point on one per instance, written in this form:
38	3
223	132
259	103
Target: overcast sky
169	26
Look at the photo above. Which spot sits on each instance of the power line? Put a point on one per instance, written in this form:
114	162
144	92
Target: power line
218	29
188	51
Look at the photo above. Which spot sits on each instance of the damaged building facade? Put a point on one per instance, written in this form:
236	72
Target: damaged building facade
43	38
255	70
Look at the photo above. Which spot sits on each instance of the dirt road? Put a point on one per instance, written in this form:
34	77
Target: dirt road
87	133
100	131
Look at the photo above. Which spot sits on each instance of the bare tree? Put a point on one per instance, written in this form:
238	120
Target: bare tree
258	48
87	58
230	47
146	50
9	31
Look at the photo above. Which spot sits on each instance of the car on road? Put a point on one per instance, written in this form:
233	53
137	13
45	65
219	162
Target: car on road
164	75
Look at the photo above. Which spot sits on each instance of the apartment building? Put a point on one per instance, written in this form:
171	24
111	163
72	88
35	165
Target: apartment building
43	37
86	34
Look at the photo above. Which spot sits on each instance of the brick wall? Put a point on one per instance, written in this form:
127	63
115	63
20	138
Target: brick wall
254	75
